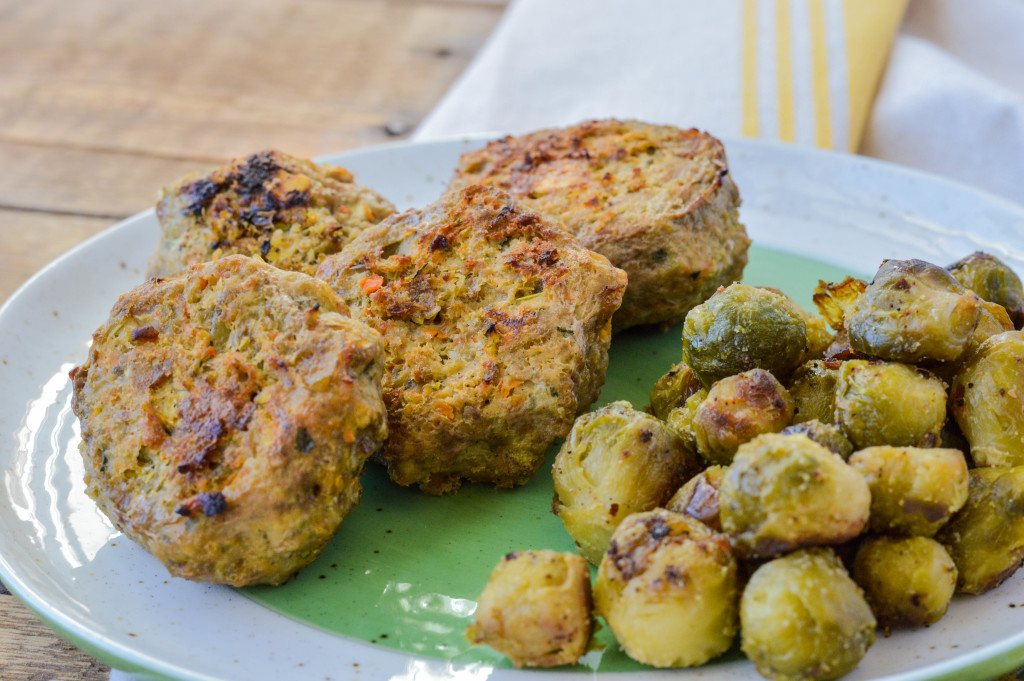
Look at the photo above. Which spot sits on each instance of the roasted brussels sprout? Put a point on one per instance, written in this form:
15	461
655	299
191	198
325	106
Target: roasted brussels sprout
913	311
987	401
986	538
879	403
992	280
819	336
908	581
803	619
698	498
680	419
741	328
993	321
615	461
913	491
812	388
784	492
535	609
673	389
825	434
737	409
668	589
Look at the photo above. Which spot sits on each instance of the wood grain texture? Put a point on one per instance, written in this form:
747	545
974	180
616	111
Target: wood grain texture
79	182
199	80
31	652
41	238
103	102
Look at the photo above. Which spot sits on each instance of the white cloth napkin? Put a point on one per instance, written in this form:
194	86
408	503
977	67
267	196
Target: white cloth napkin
951	99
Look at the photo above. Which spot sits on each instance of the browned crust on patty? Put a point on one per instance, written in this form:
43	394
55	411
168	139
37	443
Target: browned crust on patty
226	416
287	211
496	328
656	200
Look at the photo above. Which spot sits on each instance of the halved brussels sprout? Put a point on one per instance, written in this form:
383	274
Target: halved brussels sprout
992	280
680	419
994	321
986	538
737	409
913	491
615	461
784	492
888	403
673	389
535	609
741	328
698	498
987	401
668	590
913	311
813	390
803	619
908	581
825	434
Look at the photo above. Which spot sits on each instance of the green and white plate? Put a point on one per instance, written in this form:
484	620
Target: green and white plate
392	594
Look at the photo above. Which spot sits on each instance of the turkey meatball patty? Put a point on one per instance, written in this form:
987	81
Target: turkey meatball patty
496	328
284	210
226	416
657	201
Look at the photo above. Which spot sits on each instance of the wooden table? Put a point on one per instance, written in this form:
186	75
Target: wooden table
102	102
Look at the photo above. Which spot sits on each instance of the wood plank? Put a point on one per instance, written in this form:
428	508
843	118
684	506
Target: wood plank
41	237
94	120
495	3
31	652
109	185
221	79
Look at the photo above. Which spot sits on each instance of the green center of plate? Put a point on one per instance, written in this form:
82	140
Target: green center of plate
405	569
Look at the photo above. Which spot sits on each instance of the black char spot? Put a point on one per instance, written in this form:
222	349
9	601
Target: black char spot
303	441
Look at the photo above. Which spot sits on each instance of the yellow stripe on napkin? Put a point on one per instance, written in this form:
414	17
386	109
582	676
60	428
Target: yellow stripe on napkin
820	63
817	63
870	27
750	125
784	55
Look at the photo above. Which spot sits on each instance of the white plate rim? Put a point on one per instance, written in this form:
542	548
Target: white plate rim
992	660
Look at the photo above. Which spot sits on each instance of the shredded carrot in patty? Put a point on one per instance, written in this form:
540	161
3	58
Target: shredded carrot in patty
507	389
371	283
444	409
